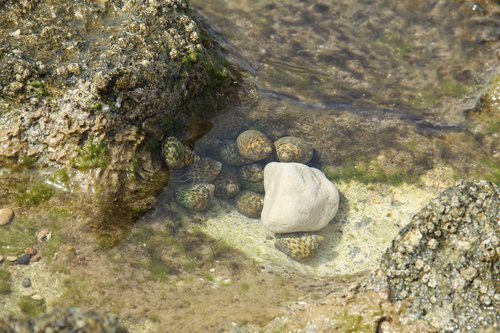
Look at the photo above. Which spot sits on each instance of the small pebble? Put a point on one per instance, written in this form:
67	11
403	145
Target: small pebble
36	297
23	260
43	235
26	283
11	258
30	250
36	258
6	216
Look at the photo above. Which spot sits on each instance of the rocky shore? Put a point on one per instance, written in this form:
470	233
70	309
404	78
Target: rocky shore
88	91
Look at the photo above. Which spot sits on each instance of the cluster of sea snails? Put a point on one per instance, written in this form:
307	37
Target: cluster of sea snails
241	179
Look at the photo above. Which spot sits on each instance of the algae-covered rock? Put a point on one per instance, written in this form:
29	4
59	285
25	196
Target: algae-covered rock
446	260
89	90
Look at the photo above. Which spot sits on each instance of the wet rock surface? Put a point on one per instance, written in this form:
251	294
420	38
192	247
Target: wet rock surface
446	260
65	320
88	90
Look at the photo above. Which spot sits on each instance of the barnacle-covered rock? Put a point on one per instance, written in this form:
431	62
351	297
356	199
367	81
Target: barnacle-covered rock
293	149
176	155
298	246
249	203
252	173
254	145
197	197
204	170
226	185
446	260
230	155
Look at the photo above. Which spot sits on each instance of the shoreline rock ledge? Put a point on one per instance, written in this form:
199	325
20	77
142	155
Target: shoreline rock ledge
298	198
89	90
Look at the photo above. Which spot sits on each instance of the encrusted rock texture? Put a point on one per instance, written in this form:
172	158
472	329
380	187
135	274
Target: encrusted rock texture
446	261
65	320
90	88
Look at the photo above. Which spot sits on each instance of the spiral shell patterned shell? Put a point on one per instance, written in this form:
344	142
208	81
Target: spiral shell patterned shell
230	155
250	186
249	203
226	185
298	246
252	173
197	197
204	170
293	149
254	145
176	155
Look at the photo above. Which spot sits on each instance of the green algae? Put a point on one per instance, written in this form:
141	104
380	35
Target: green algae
92	155
453	89
39	89
353	323
494	127
77	291
57	217
16	236
244	286
367	173
4	282
165	254
31	307
60	177
34	194
489	169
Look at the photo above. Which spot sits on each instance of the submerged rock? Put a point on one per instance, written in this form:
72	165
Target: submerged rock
298	198
446	260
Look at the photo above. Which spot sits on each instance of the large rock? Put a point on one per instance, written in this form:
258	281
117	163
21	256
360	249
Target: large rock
89	89
298	198
446	261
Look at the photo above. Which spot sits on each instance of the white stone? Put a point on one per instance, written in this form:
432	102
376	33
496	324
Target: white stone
298	198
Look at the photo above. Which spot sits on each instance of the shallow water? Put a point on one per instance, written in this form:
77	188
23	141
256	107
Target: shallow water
415	60
378	87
